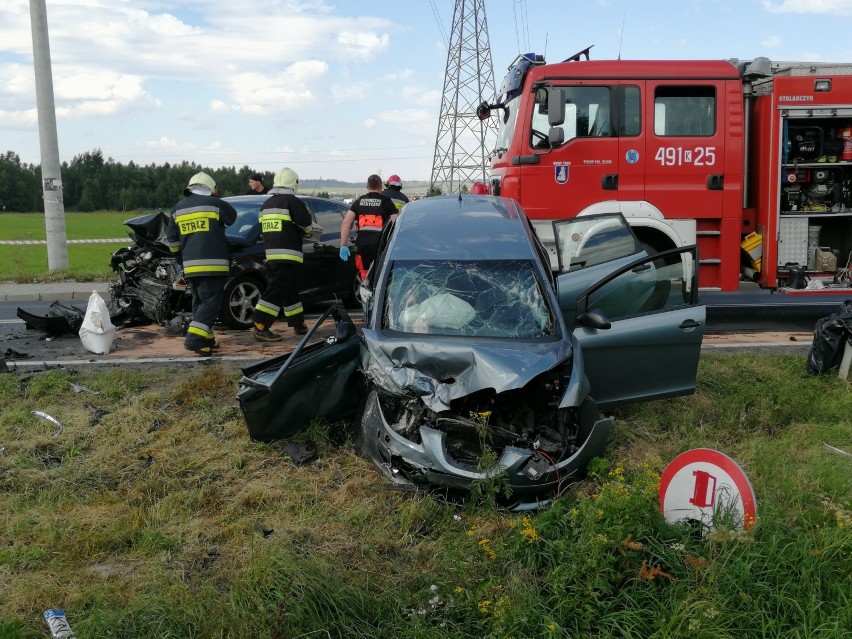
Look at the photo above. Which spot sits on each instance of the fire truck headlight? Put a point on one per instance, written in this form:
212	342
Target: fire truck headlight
822	85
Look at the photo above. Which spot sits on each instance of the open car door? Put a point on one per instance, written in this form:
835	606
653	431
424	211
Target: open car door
281	396
640	329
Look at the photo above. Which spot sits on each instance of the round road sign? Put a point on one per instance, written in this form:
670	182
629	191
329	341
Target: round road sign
707	486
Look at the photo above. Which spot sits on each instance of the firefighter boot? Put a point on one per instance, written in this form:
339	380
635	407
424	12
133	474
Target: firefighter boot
263	334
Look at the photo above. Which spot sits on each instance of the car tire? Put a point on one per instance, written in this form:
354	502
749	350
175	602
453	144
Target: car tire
242	293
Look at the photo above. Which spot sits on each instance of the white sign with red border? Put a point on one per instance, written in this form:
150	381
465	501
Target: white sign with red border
707	486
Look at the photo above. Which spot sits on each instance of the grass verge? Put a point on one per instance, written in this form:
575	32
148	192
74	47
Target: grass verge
152	514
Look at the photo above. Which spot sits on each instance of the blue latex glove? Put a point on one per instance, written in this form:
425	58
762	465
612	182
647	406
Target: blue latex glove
344	253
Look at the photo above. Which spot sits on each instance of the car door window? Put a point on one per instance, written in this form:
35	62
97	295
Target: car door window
329	216
666	282
591	240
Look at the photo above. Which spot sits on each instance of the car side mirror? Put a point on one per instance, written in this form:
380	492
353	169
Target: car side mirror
556	136
344	331
555	107
594	319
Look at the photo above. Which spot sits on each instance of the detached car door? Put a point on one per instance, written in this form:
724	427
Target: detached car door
651	346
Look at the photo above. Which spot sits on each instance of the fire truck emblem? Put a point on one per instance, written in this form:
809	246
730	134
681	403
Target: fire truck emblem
632	156
560	173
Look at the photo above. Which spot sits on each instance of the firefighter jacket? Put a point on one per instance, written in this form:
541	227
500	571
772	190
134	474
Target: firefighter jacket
399	198
197	232
372	211
285	222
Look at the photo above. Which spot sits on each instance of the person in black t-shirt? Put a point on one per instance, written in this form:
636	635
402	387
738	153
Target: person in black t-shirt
372	211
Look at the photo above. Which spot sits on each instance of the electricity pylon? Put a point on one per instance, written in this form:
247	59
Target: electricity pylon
463	141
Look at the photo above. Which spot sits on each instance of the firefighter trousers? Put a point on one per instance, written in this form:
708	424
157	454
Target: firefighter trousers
207	296
281	296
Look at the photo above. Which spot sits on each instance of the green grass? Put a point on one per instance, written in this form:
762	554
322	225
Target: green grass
86	262
162	519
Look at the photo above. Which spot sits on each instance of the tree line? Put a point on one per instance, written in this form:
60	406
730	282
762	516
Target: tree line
92	183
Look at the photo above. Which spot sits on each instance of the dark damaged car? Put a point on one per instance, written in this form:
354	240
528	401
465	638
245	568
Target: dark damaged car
471	343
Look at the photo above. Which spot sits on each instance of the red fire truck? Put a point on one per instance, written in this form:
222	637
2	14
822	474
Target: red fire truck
752	161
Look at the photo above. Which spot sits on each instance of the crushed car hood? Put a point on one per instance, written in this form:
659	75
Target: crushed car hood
439	370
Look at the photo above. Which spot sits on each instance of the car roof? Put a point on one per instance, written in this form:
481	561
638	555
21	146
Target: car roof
463	227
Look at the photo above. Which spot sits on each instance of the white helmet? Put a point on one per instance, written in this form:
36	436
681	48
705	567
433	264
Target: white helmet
200	179
287	179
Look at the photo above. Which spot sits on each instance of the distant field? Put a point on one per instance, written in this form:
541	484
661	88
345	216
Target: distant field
86	262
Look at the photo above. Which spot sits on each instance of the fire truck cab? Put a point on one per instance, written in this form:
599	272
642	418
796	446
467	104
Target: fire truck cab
751	161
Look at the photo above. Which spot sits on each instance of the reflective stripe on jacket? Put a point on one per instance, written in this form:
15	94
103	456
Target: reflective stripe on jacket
197	231
285	222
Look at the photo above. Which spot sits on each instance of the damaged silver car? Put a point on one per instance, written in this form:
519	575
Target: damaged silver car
474	350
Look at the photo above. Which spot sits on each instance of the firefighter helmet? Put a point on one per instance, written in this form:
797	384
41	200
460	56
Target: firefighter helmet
286	178
394	180
200	179
479	188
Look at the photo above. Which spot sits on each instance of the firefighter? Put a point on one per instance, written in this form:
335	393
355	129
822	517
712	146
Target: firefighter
285	222
393	189
196	231
372	212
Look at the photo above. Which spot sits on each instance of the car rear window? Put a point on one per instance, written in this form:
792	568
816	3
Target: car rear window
500	298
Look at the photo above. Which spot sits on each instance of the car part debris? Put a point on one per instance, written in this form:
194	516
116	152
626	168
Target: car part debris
300	453
97	413
13	354
77	388
52	420
836	450
262	530
61	319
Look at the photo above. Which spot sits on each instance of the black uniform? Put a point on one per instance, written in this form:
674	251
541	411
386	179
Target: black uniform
197	232
253	192
372	212
285	221
399	198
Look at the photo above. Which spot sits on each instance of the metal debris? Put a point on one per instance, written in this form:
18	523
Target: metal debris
836	450
77	388
97	413
52	420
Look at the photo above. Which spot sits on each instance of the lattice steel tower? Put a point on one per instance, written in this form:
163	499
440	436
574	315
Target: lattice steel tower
464	141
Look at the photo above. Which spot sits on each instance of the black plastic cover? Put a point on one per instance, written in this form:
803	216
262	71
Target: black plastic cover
830	335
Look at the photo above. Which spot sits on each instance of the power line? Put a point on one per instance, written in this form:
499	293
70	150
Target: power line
440	24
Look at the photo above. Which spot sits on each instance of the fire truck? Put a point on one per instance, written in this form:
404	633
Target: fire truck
751	161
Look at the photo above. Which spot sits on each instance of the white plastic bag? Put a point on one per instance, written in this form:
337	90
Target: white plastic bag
97	331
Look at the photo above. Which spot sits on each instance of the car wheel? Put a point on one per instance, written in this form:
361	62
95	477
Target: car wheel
242	293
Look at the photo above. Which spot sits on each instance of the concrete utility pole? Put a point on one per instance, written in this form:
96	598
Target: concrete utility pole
51	178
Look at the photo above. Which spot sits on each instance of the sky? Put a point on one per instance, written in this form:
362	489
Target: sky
336	89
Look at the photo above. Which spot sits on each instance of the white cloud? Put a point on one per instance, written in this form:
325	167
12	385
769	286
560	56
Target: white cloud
219	107
420	95
261	94
403	74
415	121
363	44
369	123
831	7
